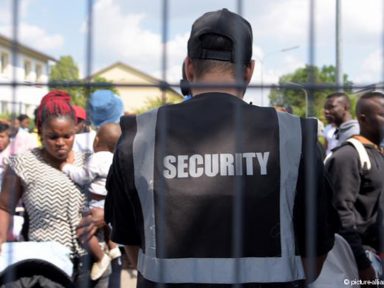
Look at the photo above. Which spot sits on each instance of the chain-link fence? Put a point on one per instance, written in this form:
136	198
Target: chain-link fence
306	89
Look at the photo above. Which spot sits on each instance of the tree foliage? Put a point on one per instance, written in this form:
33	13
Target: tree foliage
65	76
296	96
99	82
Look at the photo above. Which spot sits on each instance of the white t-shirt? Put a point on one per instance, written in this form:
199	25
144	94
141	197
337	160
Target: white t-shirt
329	135
84	141
94	172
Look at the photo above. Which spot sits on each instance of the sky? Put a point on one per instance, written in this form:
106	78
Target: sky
130	31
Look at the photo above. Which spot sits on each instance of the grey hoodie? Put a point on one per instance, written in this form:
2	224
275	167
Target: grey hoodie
347	130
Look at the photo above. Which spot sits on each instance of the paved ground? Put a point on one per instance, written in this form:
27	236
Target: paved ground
128	276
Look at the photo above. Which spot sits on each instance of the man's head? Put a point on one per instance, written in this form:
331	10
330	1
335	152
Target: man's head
24	121
4	135
370	114
81	119
220	49
14	125
337	108
104	106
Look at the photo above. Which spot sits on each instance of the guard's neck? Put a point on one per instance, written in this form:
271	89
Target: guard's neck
217	83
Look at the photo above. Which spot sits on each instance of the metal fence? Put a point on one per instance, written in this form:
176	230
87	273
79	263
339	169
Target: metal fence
309	88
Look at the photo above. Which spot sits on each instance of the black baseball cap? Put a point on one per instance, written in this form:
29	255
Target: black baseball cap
222	23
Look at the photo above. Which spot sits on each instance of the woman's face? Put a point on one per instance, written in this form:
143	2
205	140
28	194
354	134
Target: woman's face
57	136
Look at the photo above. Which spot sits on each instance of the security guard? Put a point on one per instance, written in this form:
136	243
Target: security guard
210	192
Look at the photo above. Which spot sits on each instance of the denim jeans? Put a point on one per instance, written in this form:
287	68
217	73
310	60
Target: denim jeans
115	276
82	272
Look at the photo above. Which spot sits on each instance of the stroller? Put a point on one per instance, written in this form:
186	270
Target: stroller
35	264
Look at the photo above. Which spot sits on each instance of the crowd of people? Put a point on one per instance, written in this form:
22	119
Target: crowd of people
210	192
58	185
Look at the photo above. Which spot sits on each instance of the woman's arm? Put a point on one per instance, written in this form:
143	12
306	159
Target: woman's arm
5	220
10	195
89	224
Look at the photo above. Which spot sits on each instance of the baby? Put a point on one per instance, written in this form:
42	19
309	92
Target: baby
94	174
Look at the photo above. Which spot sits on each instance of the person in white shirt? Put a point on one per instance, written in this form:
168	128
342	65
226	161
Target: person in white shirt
330	138
85	135
94	174
24	121
21	140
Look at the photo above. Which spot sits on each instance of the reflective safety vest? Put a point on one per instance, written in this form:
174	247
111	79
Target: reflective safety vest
189	174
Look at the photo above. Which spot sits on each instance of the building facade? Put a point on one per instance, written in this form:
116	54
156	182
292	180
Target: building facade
28	68
138	90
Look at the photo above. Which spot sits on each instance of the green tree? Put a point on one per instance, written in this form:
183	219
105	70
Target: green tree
98	83
65	75
295	96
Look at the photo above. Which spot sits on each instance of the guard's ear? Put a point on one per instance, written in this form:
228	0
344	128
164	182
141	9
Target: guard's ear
249	71
184	87
188	68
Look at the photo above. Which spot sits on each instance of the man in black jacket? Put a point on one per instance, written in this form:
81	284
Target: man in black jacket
357	188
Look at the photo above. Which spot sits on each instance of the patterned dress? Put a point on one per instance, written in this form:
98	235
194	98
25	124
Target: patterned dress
53	202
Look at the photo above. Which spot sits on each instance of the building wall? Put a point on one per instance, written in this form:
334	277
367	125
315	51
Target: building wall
134	98
28	69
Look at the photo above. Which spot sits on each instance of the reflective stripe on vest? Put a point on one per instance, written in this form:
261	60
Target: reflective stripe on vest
286	268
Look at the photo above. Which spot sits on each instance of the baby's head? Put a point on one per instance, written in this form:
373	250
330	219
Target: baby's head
106	138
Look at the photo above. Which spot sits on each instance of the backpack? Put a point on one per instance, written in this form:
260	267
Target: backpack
363	155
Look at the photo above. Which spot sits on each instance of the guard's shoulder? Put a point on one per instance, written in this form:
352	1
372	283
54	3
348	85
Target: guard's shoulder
128	126
309	129
310	123
128	122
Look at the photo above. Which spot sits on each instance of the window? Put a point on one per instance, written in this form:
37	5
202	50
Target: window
4	107
39	72
27	70
4	62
